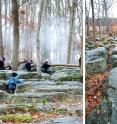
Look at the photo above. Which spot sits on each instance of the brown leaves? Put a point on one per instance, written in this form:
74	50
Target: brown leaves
36	116
94	90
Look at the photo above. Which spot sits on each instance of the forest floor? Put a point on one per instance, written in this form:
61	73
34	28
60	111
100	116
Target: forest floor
94	90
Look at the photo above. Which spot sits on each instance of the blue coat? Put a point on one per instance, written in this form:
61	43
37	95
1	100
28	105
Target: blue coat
13	81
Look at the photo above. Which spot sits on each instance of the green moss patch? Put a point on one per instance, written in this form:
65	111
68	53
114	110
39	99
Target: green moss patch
16	118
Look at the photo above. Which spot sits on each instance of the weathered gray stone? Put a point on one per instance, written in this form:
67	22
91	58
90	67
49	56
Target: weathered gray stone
22	74
113	78
97	53
114	63
34	98
66	120
3	85
45	76
5	74
21	88
109	46
67	75
89	45
114	51
99	115
48	86
28	75
112	93
38	90
58	68
77	89
3	95
96	60
95	66
114	59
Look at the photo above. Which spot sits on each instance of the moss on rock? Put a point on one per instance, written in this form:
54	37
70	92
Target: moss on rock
97	53
16	118
21	88
96	66
3	95
67	75
75	77
29	75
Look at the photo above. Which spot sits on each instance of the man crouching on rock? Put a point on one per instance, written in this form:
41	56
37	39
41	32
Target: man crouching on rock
45	66
12	83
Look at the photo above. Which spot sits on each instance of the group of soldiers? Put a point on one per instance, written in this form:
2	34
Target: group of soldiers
27	65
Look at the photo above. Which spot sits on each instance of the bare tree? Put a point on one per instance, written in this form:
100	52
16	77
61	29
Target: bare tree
71	29
37	41
1	38
87	11
15	20
106	4
93	18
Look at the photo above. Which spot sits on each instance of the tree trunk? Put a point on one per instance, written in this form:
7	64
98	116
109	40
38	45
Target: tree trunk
1	38
15	19
38	36
58	30
106	15
87	24
5	9
45	43
72	19
93	18
81	66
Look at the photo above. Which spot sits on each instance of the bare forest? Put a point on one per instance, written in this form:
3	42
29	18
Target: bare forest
41	30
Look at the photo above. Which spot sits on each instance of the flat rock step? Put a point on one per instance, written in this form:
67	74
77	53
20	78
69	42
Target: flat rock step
61	75
63	120
48	82
22	74
67	107
58	88
35	98
48	86
36	95
45	82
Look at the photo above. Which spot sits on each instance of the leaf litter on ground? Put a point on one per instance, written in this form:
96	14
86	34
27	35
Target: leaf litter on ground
94	90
